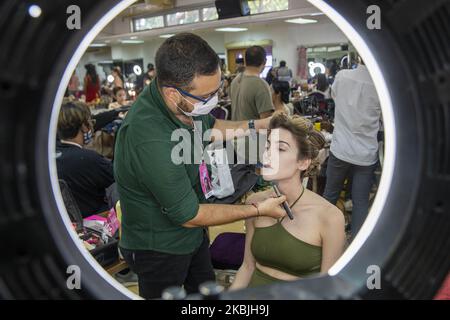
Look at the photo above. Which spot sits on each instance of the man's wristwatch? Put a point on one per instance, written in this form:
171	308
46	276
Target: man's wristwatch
251	126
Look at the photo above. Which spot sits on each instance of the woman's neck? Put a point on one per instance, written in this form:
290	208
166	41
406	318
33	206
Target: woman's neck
278	104
291	188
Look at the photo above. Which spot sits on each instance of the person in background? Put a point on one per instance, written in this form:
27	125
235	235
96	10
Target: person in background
86	172
118	78
354	146
284	73
308	245
121	98
280	97
250	95
91	84
224	68
251	99
322	89
331	71
271	75
74	84
225	90
149	75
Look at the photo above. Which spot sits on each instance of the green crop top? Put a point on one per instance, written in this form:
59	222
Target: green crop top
276	248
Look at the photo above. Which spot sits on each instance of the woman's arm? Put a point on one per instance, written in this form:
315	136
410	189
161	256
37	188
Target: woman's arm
333	237
245	272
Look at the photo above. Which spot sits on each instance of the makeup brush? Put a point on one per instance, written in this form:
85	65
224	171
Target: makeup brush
285	204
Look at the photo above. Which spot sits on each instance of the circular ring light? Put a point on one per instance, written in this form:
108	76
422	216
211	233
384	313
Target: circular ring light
313	66
137	70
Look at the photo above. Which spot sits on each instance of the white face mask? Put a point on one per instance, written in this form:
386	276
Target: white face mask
201	108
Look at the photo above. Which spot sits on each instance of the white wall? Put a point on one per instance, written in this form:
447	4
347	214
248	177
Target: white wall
286	37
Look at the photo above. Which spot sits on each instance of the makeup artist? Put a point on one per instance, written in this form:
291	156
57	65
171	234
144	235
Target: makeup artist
164	215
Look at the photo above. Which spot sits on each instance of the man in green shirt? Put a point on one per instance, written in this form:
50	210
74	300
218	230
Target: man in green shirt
163	207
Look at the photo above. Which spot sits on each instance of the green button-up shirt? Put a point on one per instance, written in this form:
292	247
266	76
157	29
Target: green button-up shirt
157	195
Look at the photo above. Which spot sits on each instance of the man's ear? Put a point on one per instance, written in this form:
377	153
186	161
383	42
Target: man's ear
304	164
172	94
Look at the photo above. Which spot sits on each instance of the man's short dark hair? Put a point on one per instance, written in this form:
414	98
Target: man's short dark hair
181	58
72	116
282	63
255	56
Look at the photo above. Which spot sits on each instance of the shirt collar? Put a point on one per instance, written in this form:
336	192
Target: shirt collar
71	143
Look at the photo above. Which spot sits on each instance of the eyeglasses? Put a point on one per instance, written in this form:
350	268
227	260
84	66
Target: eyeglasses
187	94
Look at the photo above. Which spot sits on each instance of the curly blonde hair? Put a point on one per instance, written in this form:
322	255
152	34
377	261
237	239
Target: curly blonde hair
309	140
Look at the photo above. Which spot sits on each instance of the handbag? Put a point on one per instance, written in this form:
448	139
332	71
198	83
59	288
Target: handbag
222	182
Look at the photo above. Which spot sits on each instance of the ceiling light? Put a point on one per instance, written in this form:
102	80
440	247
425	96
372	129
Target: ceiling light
333	49
231	29
97	45
301	21
164	36
131	41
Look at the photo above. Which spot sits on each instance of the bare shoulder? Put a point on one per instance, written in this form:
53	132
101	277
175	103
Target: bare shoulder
327	212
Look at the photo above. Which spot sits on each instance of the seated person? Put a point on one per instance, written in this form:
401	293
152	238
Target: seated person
280	96
86	172
121	98
322	90
309	244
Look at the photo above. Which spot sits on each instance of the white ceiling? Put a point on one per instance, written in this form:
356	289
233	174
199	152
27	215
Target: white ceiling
119	27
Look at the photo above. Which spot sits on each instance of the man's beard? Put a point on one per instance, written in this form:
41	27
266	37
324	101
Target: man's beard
184	105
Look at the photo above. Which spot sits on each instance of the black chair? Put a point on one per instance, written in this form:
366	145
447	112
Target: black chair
69	201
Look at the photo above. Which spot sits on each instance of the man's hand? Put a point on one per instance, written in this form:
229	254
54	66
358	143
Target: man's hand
264	123
271	207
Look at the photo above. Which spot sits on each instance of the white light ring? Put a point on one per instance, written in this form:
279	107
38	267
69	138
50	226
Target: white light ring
312	67
81	49
137	70
389	125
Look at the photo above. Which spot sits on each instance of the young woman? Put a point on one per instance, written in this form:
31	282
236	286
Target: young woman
91	83
121	98
309	244
322	87
280	96
118	78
